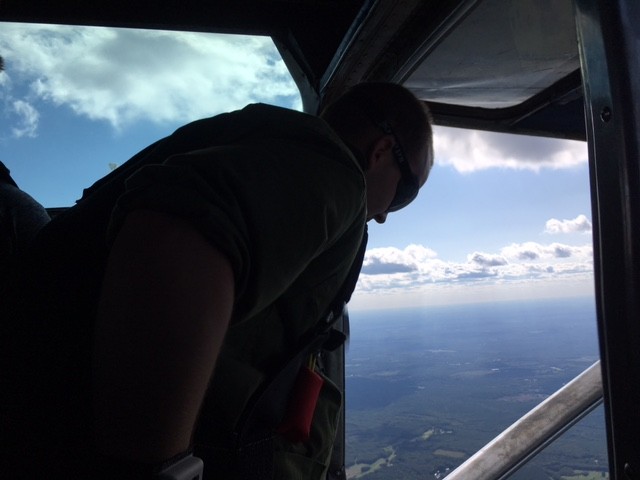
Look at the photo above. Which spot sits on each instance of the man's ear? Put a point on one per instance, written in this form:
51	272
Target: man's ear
380	151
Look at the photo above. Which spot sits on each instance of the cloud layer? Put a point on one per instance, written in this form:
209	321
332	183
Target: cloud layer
472	150
386	268
120	75
418	268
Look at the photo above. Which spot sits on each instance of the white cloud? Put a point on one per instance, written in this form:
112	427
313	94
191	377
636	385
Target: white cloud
579	224
122	75
486	260
391	271
390	260
472	150
28	118
532	251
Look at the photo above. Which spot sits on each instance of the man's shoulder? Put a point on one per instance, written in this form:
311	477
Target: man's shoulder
276	128
297	127
268	108
269	119
281	114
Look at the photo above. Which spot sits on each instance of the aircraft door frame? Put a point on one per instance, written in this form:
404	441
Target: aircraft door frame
609	45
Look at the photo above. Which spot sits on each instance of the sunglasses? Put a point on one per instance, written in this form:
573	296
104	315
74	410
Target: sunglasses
408	186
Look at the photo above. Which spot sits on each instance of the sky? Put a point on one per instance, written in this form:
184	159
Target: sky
501	217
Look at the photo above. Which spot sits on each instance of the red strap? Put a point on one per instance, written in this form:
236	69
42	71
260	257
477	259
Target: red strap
296	425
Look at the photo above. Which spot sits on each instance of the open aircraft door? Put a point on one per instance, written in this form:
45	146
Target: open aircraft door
592	93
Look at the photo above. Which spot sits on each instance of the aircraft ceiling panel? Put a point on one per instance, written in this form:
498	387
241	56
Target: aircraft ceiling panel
502	54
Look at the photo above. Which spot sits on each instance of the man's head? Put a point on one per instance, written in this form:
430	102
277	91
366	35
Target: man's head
392	130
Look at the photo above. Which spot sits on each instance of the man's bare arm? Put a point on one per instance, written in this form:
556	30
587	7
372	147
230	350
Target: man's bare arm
165	307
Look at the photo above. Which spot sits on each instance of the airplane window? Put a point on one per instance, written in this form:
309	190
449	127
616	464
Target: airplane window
475	304
75	102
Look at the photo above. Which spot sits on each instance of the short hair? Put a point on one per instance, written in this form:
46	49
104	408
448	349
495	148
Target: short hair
364	107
